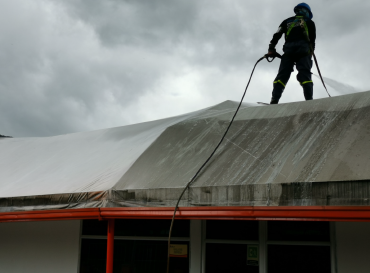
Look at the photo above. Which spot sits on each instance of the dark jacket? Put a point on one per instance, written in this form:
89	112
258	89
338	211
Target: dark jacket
296	34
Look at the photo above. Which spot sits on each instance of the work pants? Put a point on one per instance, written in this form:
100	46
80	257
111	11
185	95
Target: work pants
303	65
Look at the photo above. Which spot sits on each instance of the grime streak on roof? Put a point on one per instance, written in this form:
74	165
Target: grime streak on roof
302	153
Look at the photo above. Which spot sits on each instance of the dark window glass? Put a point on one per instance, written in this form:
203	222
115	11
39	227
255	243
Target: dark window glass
302	259
146	256
94	227
128	227
130	257
232	230
298	231
151	228
228	258
93	255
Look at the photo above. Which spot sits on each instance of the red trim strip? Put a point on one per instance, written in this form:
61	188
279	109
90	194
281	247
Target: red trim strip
312	213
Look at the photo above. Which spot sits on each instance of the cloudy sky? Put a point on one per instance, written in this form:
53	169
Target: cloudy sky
79	65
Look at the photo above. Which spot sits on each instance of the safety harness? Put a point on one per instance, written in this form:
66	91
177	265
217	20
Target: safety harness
298	20
302	23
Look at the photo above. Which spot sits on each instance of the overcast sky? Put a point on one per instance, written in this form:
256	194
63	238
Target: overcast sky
79	65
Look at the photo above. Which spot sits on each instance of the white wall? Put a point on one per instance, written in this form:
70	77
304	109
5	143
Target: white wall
353	247
39	247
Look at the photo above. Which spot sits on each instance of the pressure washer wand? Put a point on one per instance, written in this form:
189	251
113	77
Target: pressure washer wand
272	55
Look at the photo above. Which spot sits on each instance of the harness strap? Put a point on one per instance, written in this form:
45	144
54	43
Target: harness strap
292	25
302	23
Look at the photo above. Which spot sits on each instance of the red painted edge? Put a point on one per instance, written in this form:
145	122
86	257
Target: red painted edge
110	246
309	213
50	215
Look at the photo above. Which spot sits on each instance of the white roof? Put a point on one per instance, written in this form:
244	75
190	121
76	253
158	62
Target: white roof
324	140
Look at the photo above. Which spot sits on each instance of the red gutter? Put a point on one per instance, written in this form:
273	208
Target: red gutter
312	213
288	213
50	215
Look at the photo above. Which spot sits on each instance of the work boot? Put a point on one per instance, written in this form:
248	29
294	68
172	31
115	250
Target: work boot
274	101
308	91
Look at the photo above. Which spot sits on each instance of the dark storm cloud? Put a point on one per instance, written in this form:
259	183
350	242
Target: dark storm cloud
205	32
76	65
54	82
160	23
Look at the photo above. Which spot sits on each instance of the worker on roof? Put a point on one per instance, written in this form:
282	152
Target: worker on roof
300	36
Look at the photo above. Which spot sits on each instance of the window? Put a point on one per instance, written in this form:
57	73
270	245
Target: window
146	256
298	231
130	227
228	258
93	256
151	228
139	246
224	246
232	230
298	258
294	246
227	245
94	227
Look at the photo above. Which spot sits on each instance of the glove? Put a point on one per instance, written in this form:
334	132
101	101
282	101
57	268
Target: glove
272	48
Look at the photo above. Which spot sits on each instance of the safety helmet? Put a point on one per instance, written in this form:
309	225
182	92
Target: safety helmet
303	5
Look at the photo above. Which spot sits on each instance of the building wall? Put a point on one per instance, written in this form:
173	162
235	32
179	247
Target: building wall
53	246
39	247
353	247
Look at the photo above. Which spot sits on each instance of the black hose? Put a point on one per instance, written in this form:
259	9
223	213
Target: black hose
305	33
318	69
218	145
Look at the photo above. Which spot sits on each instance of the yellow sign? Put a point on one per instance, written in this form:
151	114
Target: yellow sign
180	251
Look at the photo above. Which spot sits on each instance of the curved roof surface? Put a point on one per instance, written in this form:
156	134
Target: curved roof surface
266	149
